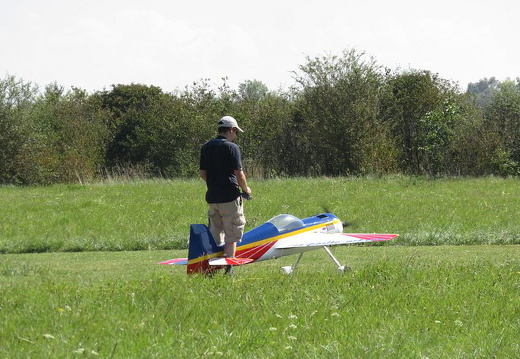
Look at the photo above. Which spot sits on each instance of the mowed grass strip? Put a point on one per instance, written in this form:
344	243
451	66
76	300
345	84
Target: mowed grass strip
397	302
156	214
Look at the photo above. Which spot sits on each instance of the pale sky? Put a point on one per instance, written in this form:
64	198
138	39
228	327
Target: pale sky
92	44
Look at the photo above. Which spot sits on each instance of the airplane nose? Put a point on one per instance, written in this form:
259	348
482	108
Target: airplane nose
337	228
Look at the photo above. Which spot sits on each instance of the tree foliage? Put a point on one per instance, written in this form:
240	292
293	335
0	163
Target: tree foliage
420	110
346	115
503	120
16	105
337	103
484	90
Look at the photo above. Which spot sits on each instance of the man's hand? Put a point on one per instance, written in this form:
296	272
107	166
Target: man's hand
246	196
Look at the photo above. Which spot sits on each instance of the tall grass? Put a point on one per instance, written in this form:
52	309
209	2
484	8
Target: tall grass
156	214
400	300
397	302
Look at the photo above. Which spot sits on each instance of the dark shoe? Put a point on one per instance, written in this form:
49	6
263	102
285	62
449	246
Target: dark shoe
228	270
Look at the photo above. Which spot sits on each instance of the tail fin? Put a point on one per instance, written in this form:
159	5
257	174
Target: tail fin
202	247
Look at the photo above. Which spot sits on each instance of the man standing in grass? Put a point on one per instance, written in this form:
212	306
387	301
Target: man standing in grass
221	169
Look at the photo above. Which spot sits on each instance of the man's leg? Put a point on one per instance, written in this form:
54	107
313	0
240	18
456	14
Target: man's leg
216	227
230	249
233	221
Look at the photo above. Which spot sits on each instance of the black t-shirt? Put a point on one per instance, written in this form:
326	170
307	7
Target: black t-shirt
220	158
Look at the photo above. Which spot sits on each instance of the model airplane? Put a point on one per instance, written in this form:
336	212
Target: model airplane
282	235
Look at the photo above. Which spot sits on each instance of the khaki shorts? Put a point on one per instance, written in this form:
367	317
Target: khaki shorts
227	221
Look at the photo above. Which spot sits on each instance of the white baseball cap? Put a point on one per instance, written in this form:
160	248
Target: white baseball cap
228	121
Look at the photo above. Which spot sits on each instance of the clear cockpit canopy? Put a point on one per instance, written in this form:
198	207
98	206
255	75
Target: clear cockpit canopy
286	222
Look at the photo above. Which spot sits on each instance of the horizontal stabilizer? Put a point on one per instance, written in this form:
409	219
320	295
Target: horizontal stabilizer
234	261
176	261
314	239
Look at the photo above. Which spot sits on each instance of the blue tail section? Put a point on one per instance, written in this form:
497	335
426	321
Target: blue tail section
201	246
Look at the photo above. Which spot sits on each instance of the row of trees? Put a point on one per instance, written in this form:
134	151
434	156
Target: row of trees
345	115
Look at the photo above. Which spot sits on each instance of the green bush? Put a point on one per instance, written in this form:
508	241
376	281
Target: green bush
347	115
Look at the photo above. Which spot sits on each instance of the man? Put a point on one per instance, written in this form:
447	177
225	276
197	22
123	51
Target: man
221	169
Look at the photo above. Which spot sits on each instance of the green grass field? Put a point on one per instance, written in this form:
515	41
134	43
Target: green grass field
397	302
157	214
423	296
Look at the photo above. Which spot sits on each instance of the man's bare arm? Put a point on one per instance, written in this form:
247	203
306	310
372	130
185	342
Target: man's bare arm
242	181
204	175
